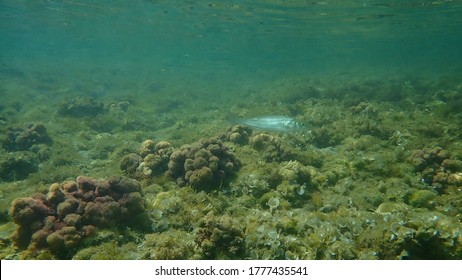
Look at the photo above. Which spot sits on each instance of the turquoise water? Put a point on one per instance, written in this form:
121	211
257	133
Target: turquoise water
98	89
232	41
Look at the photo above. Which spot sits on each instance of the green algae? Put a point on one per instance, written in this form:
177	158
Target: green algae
423	198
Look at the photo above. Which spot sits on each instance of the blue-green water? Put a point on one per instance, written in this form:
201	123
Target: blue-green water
171	96
232	41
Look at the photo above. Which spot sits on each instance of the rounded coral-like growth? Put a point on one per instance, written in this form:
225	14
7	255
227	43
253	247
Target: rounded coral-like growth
151	161
204	165
201	178
55	194
27	210
104	212
71	211
130	163
25	138
147	147
28	213
238	134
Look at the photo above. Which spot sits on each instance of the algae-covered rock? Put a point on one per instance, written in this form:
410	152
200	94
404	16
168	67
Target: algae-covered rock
262	141
422	159
295	172
220	237
325	137
81	107
170	245
455	179
453	165
108	251
26	149
19	138
130	163
18	165
423	198
271	147
390	207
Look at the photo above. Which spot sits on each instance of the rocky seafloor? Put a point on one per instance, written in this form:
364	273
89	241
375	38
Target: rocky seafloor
118	171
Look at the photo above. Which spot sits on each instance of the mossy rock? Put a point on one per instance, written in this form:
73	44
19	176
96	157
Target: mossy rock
391	207
422	199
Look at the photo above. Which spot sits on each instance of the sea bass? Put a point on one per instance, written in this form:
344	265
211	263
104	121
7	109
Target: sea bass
273	123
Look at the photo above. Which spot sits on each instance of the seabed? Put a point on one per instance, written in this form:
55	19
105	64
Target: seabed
375	173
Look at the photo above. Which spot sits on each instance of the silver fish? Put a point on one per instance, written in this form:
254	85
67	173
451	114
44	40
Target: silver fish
273	123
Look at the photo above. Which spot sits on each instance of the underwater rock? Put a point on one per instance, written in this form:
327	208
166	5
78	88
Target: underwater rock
20	139
170	245
360	108
324	137
119	106
81	107
71	211
296	183
437	168
18	165
27	149
422	159
455	179
452	165
130	163
423	199
220	237
271	147
391	207
295	172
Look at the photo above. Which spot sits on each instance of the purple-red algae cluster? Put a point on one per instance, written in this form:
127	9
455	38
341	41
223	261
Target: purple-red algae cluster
204	164
73	210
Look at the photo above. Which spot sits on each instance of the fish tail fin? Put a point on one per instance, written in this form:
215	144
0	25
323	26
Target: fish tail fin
233	119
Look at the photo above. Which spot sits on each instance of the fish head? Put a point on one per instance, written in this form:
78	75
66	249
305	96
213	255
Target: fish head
295	125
